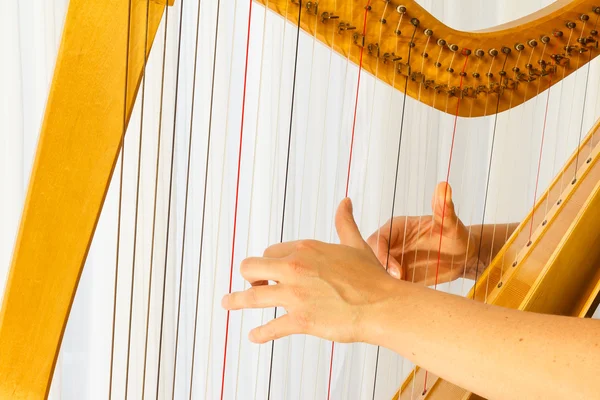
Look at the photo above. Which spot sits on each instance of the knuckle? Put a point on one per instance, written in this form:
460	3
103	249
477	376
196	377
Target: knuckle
297	266
307	244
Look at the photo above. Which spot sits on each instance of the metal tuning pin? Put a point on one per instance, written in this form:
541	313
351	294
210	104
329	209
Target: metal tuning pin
545	39
344	26
327	16
584	17
571	25
401	9
479	53
493	52
532	43
312	7
519	47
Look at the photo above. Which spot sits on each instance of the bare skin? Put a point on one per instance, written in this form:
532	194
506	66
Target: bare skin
341	293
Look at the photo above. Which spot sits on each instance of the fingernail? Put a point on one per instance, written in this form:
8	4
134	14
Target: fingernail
394	272
224	301
349	204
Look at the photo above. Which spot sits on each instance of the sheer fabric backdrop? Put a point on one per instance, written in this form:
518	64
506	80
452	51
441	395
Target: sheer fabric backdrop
325	89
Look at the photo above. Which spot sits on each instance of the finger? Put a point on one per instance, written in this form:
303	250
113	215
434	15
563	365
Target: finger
346	226
394	268
273	330
255	297
256	269
442	205
379	243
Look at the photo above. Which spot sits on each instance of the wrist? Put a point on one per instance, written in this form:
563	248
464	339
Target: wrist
380	315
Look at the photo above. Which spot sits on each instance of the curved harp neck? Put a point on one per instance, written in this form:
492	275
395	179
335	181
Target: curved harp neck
440	63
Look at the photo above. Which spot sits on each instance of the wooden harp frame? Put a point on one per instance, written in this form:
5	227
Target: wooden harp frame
91	100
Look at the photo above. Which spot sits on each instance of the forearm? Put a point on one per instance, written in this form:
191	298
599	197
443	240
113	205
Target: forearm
495	352
487	242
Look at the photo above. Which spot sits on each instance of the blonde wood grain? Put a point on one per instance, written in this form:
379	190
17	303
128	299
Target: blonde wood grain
77	151
552	268
442	86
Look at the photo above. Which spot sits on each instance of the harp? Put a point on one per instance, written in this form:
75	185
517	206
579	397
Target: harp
120	69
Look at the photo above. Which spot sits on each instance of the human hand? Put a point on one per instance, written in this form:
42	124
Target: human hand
330	291
414	243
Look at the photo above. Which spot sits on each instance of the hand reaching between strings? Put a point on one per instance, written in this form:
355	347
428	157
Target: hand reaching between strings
328	290
414	243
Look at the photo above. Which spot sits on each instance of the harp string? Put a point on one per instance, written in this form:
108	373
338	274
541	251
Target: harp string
237	376
442	46
170	201
122	144
333	204
510	108
558	119
399	152
370	133
298	233
218	235
154	206
360	66
575	80
187	181
205	191
446	192
385	160
537	179
287	167
273	164
489	173
237	192
137	198
426	167
585	95
314	235
532	130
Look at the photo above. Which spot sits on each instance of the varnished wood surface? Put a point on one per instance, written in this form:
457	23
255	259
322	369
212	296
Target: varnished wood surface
552	268
442	86
77	151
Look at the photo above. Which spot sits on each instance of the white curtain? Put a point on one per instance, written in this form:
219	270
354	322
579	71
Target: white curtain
325	90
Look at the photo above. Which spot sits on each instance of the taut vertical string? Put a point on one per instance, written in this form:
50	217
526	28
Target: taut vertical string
487	186
137	199
400	136
287	167
152	242
114	316
172	169
439	256
206	170
237	193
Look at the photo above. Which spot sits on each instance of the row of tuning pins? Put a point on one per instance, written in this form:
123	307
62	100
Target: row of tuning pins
559	59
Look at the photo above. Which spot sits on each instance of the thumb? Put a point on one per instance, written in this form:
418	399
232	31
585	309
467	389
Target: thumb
442	204
394	268
346	226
